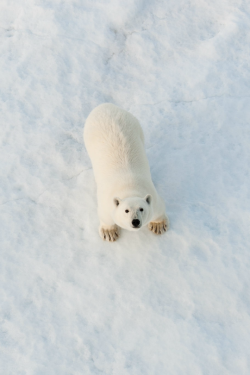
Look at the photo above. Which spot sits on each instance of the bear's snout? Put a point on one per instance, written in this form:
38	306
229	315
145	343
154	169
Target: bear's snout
135	223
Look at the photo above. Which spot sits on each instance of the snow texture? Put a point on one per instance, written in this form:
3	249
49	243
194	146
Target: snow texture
71	304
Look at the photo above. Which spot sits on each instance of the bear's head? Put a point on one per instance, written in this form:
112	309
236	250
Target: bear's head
132	213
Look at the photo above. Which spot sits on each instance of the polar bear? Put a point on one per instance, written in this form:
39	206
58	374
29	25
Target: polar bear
126	194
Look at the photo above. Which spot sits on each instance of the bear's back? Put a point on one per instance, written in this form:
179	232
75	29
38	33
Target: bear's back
114	141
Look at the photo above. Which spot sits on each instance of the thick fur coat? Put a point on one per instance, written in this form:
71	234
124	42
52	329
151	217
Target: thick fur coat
126	194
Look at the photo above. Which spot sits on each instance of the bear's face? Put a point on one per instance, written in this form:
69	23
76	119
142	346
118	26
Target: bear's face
132	213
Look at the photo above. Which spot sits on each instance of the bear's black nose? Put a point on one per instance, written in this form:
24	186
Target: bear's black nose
136	223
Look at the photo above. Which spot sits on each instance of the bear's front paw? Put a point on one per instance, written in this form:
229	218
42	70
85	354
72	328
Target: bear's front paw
159	227
110	234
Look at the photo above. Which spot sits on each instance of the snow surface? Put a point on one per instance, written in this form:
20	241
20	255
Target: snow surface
177	304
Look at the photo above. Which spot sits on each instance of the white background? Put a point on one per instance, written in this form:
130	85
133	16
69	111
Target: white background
71	304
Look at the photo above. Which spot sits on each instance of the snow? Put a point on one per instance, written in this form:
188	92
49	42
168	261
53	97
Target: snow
177	304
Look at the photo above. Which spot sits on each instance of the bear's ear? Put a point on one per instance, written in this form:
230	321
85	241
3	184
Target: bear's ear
117	201
148	198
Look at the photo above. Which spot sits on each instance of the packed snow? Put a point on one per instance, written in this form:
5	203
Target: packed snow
178	304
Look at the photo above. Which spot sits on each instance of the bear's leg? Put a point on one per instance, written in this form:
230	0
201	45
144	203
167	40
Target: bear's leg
109	232
159	226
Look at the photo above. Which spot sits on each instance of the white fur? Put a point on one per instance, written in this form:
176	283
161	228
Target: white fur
115	143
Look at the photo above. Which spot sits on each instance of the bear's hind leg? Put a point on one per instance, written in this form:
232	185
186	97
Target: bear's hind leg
109	232
159	226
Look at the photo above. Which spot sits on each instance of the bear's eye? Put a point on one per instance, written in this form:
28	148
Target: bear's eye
141	209
126	211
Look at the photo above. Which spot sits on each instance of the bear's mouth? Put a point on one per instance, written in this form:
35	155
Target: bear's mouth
135	228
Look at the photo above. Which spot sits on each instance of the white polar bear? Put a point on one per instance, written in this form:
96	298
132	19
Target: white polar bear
126	194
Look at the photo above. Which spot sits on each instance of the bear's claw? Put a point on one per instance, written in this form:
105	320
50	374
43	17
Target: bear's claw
159	227
110	234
